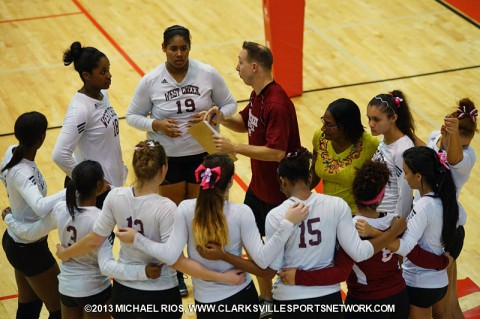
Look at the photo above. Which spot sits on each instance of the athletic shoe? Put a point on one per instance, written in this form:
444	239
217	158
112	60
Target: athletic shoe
266	307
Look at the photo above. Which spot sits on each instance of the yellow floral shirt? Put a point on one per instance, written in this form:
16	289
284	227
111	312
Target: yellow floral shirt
338	170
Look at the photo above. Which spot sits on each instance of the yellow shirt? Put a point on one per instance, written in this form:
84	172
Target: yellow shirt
338	170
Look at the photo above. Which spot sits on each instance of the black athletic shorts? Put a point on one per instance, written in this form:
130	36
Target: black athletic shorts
260	209
30	259
246	298
425	297
161	304
98	299
400	302
182	169
310	303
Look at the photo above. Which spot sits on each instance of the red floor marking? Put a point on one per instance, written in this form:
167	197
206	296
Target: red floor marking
466	287
319	188
8	297
109	38
240	182
40	18
472	313
470	8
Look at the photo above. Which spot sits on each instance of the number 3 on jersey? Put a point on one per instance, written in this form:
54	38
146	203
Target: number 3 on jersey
314	234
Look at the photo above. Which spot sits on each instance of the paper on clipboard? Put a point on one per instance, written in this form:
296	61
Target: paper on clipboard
202	132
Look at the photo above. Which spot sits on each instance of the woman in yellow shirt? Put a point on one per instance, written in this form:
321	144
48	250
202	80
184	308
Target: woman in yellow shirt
339	147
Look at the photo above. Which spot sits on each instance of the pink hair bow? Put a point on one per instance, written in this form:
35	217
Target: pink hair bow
442	158
462	113
203	176
398	100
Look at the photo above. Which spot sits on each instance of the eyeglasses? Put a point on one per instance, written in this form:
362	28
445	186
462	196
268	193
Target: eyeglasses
328	126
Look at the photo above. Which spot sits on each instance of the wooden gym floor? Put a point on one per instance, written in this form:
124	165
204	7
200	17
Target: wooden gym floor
352	49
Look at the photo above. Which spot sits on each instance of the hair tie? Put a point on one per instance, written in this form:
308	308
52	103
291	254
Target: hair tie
398	100
442	158
203	176
147	144
376	199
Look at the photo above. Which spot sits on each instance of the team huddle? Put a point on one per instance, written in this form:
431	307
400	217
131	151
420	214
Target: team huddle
388	222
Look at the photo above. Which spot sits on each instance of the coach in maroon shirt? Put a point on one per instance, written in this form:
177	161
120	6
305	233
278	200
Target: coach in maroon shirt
271	123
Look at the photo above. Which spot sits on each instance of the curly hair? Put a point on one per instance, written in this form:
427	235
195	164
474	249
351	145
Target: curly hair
369	181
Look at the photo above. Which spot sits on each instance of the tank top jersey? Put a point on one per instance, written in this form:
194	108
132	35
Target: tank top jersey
379	276
161	96
152	215
398	195
271	121
27	190
425	227
90	131
242	232
80	276
312	244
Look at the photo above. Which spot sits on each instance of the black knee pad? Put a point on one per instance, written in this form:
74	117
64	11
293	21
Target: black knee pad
29	310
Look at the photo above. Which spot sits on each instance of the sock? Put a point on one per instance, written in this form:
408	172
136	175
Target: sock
55	315
29	310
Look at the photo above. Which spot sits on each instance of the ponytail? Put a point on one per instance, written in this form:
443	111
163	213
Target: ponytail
16	158
71	198
85	178
436	173
209	223
30	129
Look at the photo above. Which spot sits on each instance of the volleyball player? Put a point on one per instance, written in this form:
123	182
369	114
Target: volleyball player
91	129
453	141
169	99
213	218
431	223
35	268
389	115
141	207
312	244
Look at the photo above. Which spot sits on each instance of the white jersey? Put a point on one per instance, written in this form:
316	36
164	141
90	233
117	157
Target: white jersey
398	195
80	276
312	244
159	95
26	190
242	232
460	171
90	131
424	227
152	215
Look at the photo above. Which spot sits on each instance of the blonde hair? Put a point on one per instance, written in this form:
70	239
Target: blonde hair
209	223
148	159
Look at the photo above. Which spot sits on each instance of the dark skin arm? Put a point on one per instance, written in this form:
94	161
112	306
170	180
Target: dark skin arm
314	177
215	252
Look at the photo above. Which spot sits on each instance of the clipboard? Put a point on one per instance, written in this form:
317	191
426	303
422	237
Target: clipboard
202	132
